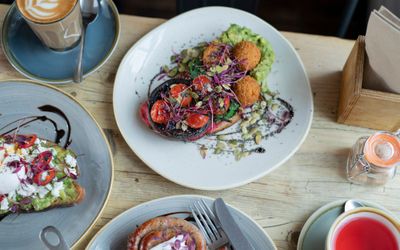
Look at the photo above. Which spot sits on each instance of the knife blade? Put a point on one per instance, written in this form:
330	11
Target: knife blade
230	227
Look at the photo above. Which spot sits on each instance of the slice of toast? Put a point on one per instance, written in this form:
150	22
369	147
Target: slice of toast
225	124
46	172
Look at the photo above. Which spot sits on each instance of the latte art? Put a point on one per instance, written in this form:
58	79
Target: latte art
42	8
44	11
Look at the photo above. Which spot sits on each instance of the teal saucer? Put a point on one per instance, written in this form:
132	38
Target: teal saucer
316	228
31	58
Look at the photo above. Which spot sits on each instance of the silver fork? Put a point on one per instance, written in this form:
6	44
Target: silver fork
209	225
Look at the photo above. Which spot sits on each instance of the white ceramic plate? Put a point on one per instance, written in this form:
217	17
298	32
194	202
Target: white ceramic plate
115	234
181	162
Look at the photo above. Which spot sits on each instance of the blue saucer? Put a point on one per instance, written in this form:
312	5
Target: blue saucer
31	58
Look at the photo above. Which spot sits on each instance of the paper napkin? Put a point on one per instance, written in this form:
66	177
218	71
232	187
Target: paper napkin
382	41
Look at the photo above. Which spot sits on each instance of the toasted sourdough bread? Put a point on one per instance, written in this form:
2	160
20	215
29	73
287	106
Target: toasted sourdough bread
225	124
39	190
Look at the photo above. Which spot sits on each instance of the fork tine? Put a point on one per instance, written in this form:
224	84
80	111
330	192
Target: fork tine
210	212
211	221
202	229
206	225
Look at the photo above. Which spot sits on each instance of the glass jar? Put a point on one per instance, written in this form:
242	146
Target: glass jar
373	160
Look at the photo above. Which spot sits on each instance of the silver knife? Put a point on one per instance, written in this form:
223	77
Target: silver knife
230	227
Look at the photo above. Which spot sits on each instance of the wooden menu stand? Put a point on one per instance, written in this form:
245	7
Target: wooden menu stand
365	107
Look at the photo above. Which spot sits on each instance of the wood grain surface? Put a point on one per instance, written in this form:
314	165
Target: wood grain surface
280	202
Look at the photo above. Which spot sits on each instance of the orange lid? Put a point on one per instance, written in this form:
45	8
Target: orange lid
382	149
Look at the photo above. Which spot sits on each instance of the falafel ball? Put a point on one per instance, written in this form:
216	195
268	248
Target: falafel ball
247	91
210	54
248	55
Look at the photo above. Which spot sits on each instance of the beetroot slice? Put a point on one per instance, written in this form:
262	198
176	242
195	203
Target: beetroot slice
169	130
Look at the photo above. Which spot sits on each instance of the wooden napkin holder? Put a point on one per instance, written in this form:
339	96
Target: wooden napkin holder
365	107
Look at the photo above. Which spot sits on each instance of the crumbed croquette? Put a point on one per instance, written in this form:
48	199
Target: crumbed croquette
247	91
247	54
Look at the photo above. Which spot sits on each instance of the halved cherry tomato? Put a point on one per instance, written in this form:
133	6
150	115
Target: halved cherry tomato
200	82
196	121
43	178
43	158
159	113
25	141
222	110
1	198
178	91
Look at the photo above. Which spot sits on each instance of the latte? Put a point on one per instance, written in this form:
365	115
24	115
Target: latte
45	11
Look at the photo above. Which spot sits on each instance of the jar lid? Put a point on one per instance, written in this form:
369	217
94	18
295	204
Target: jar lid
382	149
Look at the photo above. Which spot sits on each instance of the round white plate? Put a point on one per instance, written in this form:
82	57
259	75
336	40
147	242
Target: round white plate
181	162
114	235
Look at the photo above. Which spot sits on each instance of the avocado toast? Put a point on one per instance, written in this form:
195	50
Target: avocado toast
36	174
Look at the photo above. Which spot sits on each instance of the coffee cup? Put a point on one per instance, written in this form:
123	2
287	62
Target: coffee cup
364	228
57	23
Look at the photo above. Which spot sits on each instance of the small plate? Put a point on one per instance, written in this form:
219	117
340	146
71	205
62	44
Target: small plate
30	57
114	234
316	228
21	99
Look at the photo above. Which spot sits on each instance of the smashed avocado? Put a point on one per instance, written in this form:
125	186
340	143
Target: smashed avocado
67	195
236	34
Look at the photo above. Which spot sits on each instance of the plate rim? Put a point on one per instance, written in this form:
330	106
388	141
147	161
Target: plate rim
10	57
171	197
92	224
321	210
236	184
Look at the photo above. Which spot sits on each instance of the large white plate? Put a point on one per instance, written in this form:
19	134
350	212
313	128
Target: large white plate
181	162
115	234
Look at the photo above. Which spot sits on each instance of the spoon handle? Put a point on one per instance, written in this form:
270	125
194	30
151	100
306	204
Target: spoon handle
78	73
61	245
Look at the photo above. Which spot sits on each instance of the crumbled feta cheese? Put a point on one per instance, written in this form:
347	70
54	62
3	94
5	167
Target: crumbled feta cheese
12	195
26	190
71	161
58	186
4	204
42	191
21	174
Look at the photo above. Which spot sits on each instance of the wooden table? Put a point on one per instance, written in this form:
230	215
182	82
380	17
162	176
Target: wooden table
281	201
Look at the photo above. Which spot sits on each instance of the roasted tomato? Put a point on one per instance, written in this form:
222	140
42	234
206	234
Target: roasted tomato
178	92
44	177
222	110
196	121
200	83
25	141
159	112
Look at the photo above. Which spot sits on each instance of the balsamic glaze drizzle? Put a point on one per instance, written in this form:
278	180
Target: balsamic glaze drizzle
60	133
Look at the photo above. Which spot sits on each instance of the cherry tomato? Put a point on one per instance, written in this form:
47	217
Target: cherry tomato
159	113
43	158
196	121
222	110
178	91
25	141
1	197
43	178
200	82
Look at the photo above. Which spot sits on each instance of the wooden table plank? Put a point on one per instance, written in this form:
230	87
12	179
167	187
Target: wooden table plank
281	201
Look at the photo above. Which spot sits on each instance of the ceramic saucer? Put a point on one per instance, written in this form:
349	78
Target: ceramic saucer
316	228
31	58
